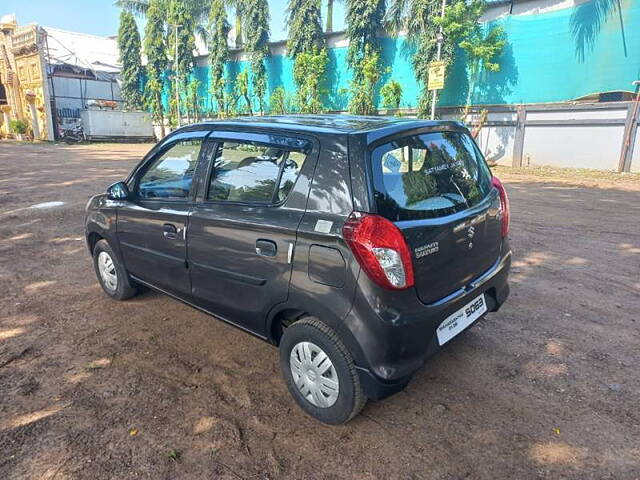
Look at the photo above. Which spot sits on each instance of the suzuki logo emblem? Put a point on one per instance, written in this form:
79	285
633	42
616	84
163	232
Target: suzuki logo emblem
471	232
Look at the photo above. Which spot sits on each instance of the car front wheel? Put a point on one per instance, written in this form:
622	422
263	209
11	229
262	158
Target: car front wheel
320	373
111	274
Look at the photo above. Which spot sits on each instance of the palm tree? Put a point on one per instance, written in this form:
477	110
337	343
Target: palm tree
199	10
329	27
239	7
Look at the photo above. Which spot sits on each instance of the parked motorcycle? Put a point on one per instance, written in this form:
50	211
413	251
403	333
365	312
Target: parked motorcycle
75	134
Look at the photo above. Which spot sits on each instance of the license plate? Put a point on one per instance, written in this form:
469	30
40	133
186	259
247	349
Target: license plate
461	319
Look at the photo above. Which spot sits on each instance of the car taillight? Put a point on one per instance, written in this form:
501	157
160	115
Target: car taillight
504	202
381	250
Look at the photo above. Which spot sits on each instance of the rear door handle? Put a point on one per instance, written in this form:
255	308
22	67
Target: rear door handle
266	248
170	231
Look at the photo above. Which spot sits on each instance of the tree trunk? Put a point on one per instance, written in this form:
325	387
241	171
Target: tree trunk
248	100
473	73
159	106
329	16
238	27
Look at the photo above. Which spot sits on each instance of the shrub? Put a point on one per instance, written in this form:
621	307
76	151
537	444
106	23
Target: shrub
18	126
391	94
278	101
367	72
308	73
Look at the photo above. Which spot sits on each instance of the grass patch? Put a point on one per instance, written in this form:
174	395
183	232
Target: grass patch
97	364
174	455
583	176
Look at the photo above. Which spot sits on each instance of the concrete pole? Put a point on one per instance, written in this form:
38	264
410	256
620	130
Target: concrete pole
628	139
440	39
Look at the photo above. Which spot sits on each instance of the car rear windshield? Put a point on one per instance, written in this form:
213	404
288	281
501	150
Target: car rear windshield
429	175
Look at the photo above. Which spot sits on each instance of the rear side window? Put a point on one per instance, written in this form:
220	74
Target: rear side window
429	175
254	173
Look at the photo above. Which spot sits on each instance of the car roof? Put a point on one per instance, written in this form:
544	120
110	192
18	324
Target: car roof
331	123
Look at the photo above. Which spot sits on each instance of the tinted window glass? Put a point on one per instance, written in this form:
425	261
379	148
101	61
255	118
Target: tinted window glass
430	175
247	172
290	172
170	176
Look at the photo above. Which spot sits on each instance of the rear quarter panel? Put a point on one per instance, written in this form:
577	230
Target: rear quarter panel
329	204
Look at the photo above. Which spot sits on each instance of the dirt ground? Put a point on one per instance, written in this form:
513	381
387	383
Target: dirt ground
547	388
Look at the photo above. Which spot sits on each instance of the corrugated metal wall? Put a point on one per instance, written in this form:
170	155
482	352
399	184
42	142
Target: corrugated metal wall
73	93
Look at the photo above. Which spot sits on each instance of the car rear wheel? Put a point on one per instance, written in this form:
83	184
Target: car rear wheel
320	373
111	274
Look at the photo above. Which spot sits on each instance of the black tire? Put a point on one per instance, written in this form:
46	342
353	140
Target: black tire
123	288
351	398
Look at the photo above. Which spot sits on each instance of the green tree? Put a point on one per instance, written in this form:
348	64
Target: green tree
242	91
278	101
306	45
198	10
391	93
461	24
365	79
363	20
257	27
182	37
482	50
419	19
422	19
303	20
129	46
193	103
218	32
308	72
238	6
155	50
460	19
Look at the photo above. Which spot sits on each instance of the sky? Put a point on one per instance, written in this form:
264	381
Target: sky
100	17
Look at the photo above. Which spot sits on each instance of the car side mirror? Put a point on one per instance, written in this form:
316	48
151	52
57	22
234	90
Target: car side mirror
118	191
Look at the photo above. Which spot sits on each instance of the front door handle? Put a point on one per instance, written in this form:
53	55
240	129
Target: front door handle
266	248
170	231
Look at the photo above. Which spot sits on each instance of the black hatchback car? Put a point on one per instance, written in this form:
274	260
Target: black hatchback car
358	245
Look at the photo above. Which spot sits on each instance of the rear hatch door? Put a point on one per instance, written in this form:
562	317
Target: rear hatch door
437	189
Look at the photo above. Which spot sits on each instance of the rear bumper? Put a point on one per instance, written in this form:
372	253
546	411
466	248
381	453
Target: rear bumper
395	342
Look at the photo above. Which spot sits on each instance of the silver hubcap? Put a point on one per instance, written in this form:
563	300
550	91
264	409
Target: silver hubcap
107	271
314	374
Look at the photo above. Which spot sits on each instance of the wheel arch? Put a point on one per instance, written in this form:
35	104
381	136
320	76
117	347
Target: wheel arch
94	232
93	238
285	314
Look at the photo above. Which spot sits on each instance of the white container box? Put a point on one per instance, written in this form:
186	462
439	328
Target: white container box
116	125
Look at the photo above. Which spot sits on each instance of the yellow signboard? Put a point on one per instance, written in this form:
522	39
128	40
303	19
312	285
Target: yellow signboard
436	76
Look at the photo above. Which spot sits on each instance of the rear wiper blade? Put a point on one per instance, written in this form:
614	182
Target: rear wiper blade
459	191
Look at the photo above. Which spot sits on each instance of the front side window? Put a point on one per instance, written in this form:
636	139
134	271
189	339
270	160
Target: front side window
254	173
170	176
429	175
